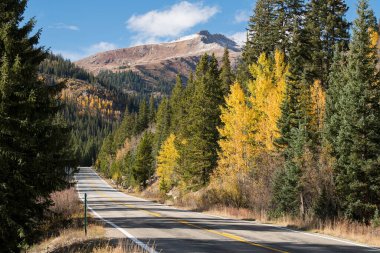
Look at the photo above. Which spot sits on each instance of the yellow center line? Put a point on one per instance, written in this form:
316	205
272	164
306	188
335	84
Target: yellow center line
223	234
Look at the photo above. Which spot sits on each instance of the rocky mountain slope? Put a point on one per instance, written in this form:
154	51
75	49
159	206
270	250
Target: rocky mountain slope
164	60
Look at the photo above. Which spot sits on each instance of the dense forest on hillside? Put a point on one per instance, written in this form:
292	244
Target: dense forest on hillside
295	131
93	105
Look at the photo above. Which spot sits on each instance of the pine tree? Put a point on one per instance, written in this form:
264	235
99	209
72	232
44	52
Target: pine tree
295	105
358	139
143	116
296	112
327	26
226	75
262	36
143	164
34	141
152	109
337	80
176	106
199	155
163	119
287	196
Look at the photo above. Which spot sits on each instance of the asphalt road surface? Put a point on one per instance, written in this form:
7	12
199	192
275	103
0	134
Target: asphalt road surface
175	230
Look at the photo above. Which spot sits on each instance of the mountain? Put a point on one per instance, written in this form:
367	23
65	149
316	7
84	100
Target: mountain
162	61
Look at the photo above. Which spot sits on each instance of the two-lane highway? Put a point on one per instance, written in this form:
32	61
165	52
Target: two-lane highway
174	230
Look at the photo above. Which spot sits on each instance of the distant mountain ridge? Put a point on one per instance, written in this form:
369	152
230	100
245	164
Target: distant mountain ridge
163	60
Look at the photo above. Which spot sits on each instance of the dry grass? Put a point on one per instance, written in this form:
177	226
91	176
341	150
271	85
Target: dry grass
69	237
350	230
66	203
233	212
123	246
345	229
64	223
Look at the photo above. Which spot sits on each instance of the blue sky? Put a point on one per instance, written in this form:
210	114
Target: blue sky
78	28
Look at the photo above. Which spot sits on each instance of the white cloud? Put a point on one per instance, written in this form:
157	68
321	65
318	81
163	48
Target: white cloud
241	16
240	38
158	25
100	47
65	26
84	52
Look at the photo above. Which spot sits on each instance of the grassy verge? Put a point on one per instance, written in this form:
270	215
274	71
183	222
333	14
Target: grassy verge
63	231
344	229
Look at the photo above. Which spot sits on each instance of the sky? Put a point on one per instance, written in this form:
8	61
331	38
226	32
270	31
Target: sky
79	28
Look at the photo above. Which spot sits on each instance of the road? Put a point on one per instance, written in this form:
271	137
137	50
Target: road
175	230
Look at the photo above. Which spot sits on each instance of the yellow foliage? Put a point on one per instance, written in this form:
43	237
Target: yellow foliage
166	163
266	96
374	37
236	143
318	103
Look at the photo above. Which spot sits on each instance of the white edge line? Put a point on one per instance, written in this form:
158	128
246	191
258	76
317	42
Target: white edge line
122	230
255	223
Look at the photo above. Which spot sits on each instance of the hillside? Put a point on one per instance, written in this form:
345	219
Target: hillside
92	106
162	61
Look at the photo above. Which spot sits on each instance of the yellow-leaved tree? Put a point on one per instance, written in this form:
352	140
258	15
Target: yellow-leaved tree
266	96
318	106
236	143
167	163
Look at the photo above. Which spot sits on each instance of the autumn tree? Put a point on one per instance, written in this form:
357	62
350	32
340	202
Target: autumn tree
267	91
318	108
237	143
167	164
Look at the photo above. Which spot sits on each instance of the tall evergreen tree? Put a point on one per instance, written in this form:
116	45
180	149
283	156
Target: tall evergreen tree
143	116
358	139
34	141
226	74
176	106
337	80
295	105
152	109
199	154
294	123
143	164
262	36
163	119
326	26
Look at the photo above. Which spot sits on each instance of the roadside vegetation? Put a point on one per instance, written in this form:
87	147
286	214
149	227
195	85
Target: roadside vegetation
63	230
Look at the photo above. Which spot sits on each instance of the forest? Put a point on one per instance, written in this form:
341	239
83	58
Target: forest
293	131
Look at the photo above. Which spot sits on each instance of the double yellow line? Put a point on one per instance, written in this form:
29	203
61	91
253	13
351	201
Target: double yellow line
223	234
